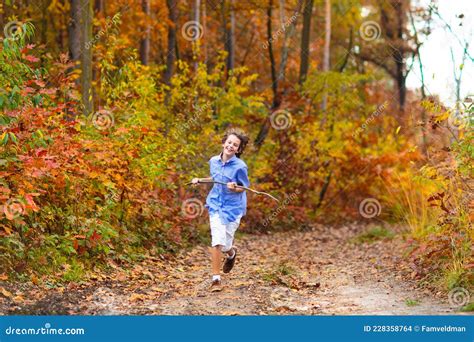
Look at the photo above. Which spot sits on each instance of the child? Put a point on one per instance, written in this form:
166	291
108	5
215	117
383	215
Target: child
226	203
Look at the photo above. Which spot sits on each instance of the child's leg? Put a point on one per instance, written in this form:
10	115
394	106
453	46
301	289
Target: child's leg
218	241
216	259
231	228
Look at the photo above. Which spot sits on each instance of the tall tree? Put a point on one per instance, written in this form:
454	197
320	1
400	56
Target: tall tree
172	42
422	79
395	46
271	55
327	47
74	30
197	19
305	38
145	41
204	30
228	10
99	6
86	14
285	47
276	78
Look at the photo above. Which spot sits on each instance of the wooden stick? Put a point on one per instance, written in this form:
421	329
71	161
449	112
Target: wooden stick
237	186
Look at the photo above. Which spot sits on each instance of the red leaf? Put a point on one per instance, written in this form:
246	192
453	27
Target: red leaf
31	58
95	236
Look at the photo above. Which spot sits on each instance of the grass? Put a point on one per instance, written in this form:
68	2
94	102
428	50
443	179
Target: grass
281	269
408	199
468	308
412	302
373	234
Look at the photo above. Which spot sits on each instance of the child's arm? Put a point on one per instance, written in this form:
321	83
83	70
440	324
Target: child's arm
232	186
242	179
198	180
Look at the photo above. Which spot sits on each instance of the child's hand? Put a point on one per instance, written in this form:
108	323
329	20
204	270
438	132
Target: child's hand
195	181
232	186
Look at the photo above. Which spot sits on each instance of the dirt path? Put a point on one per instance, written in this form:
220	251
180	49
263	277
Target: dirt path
301	273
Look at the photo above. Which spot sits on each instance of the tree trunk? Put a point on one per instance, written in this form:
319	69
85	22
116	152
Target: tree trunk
197	19
99	6
288	34
229	34
327	50
327	40
270	53
86	56
422	79
400	68
400	65
277	97
145	41
204	31
305	37
74	30
2	14
172	49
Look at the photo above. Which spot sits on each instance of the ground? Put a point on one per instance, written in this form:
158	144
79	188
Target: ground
321	271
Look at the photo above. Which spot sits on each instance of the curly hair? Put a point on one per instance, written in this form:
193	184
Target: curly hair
244	139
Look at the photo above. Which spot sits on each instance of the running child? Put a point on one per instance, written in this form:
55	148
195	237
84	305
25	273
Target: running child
226	204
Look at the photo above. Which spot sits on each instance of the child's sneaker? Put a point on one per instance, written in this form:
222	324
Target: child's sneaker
216	286
229	262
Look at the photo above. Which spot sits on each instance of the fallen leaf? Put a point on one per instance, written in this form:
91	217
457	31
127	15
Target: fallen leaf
6	293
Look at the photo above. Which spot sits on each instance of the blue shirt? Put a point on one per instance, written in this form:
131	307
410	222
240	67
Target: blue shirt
228	204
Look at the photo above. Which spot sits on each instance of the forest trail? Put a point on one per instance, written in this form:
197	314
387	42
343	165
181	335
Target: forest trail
316	272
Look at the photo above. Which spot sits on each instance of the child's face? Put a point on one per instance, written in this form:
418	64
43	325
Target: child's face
231	146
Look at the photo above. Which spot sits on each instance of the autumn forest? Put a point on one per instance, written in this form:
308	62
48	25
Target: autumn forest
108	109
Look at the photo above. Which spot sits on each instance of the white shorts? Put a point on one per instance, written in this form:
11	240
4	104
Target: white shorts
223	234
